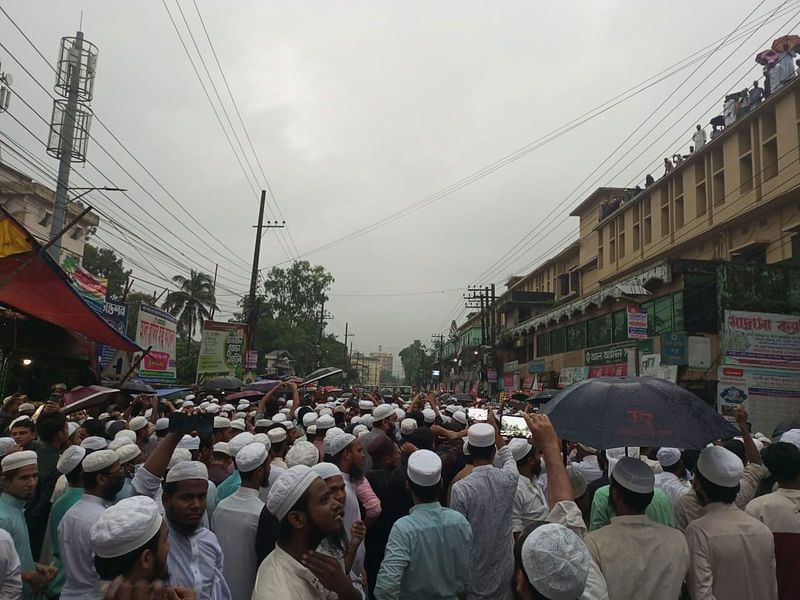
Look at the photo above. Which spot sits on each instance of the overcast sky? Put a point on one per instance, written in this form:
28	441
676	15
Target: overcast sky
360	109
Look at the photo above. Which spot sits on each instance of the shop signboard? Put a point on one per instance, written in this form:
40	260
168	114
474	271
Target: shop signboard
770	396
251	362
116	315
637	323
618	370
157	330
673	349
491	375
509	382
511	367
536	366
761	339
615	353
570	375
221	350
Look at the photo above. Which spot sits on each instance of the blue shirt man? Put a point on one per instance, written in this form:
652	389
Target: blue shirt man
428	551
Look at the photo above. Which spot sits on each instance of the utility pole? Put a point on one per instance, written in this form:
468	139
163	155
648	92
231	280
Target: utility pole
346	357
214	291
438	337
69	127
322	316
252	303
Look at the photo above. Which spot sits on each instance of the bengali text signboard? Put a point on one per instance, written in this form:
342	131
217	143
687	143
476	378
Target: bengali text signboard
637	323
221	350
769	395
761	339
158	330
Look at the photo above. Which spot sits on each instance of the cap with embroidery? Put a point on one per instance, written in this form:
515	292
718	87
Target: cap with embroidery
179	455
221	422
69	459
277	435
720	466
302	453
94	442
425	468
240	441
288	489
125	527
137	423
251	457
326	470
481	435
99	460
128	452
408	426
668	456
162	424
520	448
189	469
17	460
325	422
632	474
382	411
556	562
222	447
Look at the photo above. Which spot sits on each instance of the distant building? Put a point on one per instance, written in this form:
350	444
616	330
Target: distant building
386	359
278	363
368	368
31	203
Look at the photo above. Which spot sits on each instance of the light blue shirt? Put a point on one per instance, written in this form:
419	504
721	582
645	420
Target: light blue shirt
195	561
427	555
230	485
12	519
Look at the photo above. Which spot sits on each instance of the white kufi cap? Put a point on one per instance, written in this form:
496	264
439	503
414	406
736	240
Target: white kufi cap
302	453
179	455
382	411
70	458
221	422
162	424
429	415
791	437
251	457
240	441
17	460
94	442
188	469
127	453
481	435
668	457
189	442
99	460
288	489
634	475
425	468
222	447
137	423
126	434
556	562
277	435
520	448
126	526
720	466
326	470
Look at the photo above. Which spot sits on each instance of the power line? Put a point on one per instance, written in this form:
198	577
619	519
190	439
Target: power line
116	139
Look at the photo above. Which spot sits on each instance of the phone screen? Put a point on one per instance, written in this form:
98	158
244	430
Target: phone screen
477	415
514	427
178	422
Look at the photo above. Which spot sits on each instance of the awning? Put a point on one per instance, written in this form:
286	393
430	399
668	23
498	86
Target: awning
31	282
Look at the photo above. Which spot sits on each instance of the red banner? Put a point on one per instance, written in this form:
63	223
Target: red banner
618	370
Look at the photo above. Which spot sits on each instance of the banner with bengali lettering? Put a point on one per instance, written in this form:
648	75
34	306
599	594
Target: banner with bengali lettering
91	288
221	350
157	329
761	339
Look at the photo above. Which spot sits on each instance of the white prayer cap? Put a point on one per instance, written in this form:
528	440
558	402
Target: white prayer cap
222	447
309	419
365	405
188	469
103	416
187	404
326	470
720	466
288	489
451	408
17	460
277	435
429	415
189	442
203	405
311	430
577	480
125	527
408	426
791	437
290	403
127	453
401	414
127	434
119	442
240	416
162	424
556	562
302	453
367	421
668	456
289	425
263	423
179	455
26	407
424	468
243	405
278	418
460	416
634	475
238	424
262	438
228	407
251	457
520	448
147	413
355	420
325	411
481	435
210	397
325	422
99	460
212	409
331	399
6	444
359	429
69	459
72	427
382	411
94	442
221	422
189	397
286	411
240	441
336	441
137	423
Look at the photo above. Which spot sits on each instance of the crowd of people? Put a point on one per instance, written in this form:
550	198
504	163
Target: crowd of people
305	496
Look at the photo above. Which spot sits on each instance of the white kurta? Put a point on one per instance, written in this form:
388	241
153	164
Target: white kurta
352	513
530	504
80	579
235	523
640	558
10	579
589	468
195	561
281	576
780	510
672	486
732	556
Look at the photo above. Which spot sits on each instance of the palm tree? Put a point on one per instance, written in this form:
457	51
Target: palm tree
192	303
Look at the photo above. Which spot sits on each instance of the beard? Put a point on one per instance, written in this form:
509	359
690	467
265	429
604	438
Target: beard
356	473
537	469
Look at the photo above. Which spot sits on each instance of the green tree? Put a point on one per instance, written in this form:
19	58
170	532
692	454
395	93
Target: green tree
103	262
417	363
192	303
297	292
186	361
134	301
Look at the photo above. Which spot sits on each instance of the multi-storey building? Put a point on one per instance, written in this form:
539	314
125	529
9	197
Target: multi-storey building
720	232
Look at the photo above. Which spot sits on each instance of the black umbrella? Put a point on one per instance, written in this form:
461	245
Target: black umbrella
137	387
321	374
542	396
612	412
224	383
